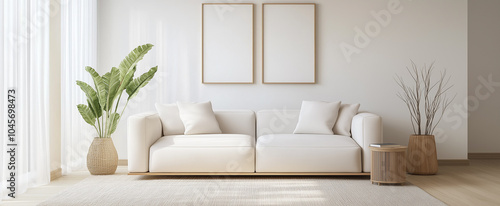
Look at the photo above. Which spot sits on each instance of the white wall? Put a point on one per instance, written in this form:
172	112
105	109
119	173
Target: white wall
484	63
423	31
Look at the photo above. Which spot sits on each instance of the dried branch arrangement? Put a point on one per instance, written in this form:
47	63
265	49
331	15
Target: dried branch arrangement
424	94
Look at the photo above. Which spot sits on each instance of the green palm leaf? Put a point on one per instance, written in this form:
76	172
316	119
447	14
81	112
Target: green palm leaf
91	98
138	83
126	80
90	107
113	123
105	80
132	59
102	93
87	114
113	86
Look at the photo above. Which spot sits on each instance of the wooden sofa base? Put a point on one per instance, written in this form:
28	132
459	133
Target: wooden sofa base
253	173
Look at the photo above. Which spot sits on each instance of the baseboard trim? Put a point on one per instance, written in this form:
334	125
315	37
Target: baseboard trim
122	162
484	155
54	174
454	162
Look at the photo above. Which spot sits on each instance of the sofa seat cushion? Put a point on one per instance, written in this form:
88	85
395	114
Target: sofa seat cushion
307	153
203	153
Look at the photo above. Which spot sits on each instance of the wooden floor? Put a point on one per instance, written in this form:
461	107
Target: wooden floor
477	184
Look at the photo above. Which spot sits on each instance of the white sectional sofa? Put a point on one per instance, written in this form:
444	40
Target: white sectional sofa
237	151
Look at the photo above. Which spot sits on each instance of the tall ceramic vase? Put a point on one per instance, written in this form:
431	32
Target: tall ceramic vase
102	158
422	156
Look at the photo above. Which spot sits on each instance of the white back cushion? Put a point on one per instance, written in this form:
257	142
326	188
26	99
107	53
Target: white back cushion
344	121
170	119
236	121
230	121
277	121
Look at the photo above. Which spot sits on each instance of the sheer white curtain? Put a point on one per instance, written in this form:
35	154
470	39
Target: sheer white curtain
78	42
24	71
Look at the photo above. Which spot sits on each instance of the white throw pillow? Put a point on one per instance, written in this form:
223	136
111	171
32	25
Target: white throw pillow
344	121
198	118
317	117
170	119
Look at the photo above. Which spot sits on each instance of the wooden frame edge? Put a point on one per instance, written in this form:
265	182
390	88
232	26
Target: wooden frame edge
252	173
315	42
202	47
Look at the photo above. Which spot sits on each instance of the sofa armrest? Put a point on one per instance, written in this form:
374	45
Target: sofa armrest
366	129
142	131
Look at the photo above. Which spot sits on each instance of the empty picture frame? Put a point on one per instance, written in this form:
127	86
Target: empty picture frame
227	43
289	43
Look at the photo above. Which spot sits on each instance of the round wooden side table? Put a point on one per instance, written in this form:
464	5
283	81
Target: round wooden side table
388	165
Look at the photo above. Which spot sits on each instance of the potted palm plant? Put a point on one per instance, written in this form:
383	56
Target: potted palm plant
426	101
101	111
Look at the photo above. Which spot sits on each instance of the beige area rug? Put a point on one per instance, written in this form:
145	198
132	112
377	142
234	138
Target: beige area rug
208	190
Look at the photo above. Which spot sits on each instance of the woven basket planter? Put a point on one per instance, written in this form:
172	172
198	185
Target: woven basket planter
102	158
